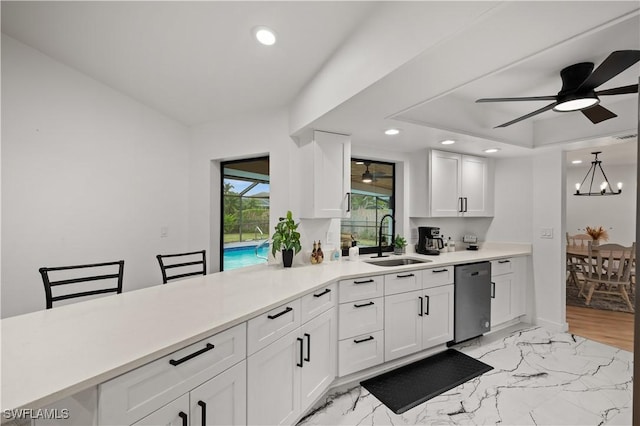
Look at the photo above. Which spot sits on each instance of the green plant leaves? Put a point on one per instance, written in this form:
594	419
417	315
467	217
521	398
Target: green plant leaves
285	236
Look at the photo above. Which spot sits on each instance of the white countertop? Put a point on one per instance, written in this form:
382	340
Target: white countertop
50	354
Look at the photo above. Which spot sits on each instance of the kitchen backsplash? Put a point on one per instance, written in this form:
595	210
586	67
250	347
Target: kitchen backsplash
454	227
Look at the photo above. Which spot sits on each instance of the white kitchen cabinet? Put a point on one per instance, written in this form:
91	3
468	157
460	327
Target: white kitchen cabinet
417	320
286	376
459	185
508	290
175	413
325	161
222	400
437	327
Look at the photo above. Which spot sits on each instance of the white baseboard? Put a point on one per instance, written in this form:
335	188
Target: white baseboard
552	326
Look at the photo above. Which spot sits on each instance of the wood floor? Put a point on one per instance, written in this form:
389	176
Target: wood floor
611	328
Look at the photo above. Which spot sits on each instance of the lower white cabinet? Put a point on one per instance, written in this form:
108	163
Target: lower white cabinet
285	377
219	401
417	320
507	289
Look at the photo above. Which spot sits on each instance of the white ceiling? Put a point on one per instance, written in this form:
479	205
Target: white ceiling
197	62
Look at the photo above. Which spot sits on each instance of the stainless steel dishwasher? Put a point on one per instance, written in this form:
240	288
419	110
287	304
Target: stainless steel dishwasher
472	300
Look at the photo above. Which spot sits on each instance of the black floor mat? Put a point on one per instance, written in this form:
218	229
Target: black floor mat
415	383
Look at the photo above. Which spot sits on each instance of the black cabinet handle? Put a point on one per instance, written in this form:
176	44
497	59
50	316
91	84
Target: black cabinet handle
460	203
301	363
348	202
427	298
207	348
289	309
326	290
504	261
437	271
363	282
204	412
493	290
421	306
363	305
363	340
466	204
308	336
185	419
405	276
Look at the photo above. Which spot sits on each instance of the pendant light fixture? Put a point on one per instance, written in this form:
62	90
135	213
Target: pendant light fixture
367	177
605	186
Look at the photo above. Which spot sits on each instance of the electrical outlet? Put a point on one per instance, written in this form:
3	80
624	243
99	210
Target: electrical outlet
546	233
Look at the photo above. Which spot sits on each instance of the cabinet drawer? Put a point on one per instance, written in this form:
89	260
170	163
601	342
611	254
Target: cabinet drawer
360	352
361	288
436	277
402	282
501	267
362	316
133	395
321	300
270	326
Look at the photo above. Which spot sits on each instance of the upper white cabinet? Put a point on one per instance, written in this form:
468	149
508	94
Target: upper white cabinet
459	185
325	161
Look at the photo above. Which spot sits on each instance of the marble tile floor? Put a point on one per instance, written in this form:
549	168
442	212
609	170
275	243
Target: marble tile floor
539	378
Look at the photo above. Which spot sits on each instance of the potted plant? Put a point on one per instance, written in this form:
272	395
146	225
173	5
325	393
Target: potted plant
287	239
399	244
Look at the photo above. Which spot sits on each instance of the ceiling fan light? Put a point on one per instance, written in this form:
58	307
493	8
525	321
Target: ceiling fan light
576	104
367	177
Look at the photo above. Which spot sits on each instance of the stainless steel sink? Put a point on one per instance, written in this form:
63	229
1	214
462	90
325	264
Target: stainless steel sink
397	262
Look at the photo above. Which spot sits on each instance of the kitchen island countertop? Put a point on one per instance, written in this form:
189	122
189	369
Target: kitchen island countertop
51	354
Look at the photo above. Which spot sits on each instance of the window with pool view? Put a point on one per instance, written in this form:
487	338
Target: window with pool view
245	213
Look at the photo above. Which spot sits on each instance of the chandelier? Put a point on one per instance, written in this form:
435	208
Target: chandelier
605	186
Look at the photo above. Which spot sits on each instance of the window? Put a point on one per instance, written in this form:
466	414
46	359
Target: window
372	196
245	213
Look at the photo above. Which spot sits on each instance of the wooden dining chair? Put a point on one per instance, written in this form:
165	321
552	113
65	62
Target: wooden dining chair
183	264
575	263
608	271
81	280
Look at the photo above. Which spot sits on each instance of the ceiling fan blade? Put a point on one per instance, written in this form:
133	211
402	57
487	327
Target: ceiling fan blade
531	114
530	98
633	88
598	113
615	63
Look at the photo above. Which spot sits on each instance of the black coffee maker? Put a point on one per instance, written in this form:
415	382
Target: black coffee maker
429	240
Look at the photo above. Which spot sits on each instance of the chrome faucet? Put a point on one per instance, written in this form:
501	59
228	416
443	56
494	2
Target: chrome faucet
380	235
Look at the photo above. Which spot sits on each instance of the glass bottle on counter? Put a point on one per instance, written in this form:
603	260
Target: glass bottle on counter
319	253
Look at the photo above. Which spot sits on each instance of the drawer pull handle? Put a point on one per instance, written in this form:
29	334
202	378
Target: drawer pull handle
504	261
421	306
363	282
493	290
204	412
405	276
301	363
363	305
289	309
207	348
308	357
435	271
366	339
427	297
185	419
326	290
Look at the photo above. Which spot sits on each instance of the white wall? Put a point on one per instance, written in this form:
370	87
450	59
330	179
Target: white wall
88	175
247	136
549	253
617	214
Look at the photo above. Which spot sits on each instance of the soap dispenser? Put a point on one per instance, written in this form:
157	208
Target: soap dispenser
354	251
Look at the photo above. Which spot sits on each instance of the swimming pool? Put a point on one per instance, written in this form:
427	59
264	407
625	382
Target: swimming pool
243	255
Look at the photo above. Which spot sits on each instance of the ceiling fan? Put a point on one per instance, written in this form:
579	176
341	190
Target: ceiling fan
368	177
578	84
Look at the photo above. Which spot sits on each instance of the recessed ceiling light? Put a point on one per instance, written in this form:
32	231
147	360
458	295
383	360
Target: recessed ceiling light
359	162
576	162
265	35
448	142
491	150
391	132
